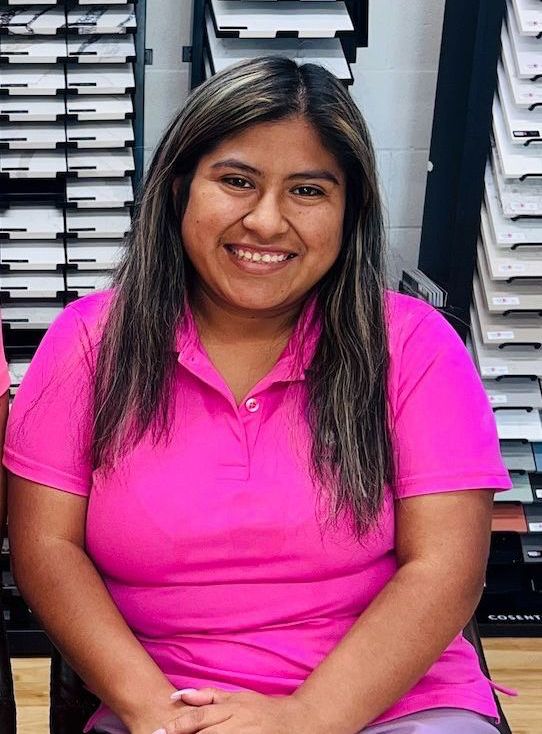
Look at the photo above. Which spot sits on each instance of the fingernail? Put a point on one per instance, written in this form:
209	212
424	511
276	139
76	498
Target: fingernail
178	694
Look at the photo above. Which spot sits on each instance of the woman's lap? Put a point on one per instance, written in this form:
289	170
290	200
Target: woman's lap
431	721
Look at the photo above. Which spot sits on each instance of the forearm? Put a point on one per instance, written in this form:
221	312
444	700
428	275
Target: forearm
64	590
389	648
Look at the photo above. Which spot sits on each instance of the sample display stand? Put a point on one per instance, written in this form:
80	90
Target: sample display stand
482	243
71	157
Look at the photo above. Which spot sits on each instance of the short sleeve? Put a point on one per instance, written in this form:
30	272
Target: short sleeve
4	372
445	432
49	427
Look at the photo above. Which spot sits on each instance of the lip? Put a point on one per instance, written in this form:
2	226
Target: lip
255	268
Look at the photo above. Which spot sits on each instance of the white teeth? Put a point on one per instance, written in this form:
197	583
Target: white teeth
266	258
257	257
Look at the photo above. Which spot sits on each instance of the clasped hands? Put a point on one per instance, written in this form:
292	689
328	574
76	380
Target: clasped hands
213	711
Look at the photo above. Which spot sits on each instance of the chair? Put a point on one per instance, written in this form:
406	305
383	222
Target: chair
7	699
72	704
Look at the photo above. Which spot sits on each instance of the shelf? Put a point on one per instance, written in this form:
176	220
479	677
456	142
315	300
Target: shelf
31	285
505	232
325	51
30	316
32	21
517	161
112	193
32	223
100	164
528	14
32	165
520	492
519	425
525	51
95	255
111	224
102	50
522	125
514	392
90	108
32	136
248	19
31	80
107	79
518	198
32	255
504	264
33	50
102	20
501	297
518	456
100	134
82	282
32	109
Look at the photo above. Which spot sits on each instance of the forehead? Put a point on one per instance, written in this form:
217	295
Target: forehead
284	145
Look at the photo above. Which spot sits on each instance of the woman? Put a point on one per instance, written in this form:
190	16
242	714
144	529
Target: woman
261	453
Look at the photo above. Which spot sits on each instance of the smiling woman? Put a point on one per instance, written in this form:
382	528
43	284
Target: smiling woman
228	466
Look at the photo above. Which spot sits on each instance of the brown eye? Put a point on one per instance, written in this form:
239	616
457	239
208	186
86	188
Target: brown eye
238	182
309	191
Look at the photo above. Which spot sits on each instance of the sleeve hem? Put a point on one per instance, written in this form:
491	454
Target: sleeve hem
46	475
459	482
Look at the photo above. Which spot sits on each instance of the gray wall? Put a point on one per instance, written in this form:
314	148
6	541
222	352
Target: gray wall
395	80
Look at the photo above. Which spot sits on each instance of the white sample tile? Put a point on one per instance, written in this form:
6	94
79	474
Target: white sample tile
44	222
33	79
30	21
517	161
32	285
24	255
501	297
514	392
24	50
497	329
100	134
528	15
525	51
32	109
519	424
525	92
87	282
94	255
112	223
100	107
32	136
101	49
520	492
325	51
106	79
517	456
504	264
506	232
17	370
521	124
262	20
30	315
518	198
102	19
96	194
100	164
34	164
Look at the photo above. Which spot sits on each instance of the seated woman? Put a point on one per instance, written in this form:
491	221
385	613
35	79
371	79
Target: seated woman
250	469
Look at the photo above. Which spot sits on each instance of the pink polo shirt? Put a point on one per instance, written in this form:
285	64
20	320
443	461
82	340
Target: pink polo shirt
209	545
4	372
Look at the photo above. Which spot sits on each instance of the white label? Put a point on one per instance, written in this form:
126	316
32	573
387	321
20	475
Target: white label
499	370
535	527
511	237
498	399
505	301
512	268
498	335
539	494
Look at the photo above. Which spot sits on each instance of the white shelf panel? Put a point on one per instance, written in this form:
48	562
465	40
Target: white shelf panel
32	80
325	51
518	424
32	255
262	20
103	19
501	297
107	79
516	161
97	224
102	50
32	285
89	108
109	194
518	198
100	134
525	51
514	392
28	21
528	15
526	93
83	282
493	362
95	255
522	125
32	222
520	492
101	164
47	164
33	50
518	456
17	370
33	136
30	316
506	232
32	109
504	264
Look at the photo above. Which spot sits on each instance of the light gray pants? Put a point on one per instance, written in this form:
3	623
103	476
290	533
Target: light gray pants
431	721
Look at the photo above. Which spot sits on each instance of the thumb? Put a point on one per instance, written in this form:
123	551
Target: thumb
201	697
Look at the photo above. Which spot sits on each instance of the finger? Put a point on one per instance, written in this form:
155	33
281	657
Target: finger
201	697
195	719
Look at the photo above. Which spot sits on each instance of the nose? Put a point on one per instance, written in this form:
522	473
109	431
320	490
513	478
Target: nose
266	218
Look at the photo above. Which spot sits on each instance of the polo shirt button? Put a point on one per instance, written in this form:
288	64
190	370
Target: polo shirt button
252	405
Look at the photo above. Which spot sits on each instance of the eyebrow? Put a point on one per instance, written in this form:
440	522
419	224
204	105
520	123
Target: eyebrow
320	173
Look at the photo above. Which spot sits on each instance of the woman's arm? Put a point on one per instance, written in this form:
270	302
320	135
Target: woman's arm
64	590
4	407
442	547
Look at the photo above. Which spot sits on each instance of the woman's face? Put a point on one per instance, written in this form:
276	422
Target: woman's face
264	217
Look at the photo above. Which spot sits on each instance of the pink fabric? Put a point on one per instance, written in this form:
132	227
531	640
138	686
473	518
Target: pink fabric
5	380
209	545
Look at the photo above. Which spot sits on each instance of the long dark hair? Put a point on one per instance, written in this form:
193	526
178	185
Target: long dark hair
352	454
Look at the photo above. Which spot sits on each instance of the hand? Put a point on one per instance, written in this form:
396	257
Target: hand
219	712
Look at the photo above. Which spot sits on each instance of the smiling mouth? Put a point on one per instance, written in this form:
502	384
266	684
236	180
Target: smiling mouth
263	257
